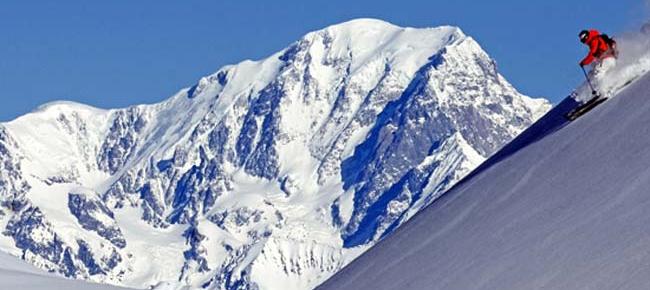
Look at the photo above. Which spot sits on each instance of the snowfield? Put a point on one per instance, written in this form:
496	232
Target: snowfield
564	206
269	174
16	274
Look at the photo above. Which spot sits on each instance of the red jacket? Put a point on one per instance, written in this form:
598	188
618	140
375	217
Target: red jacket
597	46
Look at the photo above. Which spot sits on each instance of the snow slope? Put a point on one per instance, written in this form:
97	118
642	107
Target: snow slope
564	206
268	174
17	274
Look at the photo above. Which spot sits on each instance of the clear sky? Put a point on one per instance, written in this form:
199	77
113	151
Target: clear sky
122	52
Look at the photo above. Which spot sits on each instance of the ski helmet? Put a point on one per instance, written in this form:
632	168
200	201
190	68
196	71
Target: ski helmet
583	36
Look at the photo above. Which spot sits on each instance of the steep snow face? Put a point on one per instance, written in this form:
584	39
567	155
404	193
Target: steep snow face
564	206
268	174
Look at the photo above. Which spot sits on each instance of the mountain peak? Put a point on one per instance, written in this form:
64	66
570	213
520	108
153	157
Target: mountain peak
370	31
368	24
363	23
65	105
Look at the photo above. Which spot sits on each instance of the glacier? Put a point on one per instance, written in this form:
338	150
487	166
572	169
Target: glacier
563	206
269	174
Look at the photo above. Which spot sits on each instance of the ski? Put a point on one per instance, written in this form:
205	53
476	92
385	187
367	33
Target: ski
584	108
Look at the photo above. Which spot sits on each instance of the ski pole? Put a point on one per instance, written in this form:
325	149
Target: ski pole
593	91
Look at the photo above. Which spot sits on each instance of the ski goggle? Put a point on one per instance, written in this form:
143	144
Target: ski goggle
583	37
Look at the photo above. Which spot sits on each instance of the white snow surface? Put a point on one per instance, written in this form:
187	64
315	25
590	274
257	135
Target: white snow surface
17	274
564	206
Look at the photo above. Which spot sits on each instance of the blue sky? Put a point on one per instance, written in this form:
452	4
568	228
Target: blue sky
123	52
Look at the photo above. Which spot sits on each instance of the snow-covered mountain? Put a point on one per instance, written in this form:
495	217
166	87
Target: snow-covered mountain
268	174
564	206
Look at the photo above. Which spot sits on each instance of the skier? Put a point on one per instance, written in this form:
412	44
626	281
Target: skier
602	53
602	56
